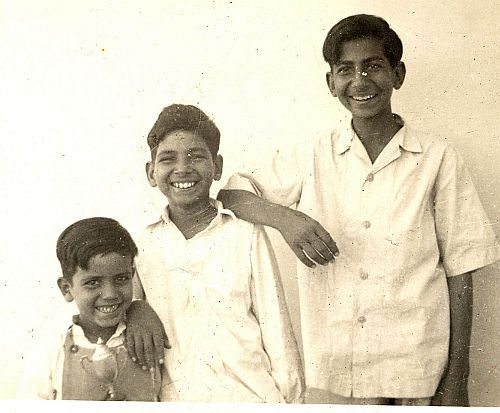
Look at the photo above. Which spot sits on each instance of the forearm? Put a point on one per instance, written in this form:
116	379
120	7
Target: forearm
460	292
252	208
306	237
452	390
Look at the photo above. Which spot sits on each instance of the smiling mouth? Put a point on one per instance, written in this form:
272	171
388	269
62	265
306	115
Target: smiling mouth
183	185
362	98
107	308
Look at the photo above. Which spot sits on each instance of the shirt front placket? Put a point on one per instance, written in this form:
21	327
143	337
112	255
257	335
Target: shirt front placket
373	189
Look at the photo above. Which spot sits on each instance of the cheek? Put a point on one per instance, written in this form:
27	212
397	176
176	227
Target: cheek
127	292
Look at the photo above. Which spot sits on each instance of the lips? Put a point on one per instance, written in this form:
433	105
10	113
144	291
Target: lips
362	98
183	185
107	309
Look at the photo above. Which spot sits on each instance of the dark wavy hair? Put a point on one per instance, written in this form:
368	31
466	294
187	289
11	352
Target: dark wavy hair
362	26
188	118
88	238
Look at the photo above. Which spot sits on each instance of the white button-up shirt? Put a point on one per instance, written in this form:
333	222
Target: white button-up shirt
220	298
376	322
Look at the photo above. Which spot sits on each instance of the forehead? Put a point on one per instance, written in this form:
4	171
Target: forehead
361	49
105	265
182	140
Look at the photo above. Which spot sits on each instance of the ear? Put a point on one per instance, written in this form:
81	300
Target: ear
331	84
399	73
65	287
218	163
150	173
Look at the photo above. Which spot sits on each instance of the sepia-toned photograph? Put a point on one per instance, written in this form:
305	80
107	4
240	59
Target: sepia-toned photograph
240	205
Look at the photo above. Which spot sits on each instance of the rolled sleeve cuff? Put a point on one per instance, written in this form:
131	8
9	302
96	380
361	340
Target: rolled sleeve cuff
471	259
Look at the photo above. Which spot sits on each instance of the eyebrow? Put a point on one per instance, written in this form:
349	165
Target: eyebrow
195	149
94	276
368	59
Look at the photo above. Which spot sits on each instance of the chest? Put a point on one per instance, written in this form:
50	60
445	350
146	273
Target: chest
87	379
212	269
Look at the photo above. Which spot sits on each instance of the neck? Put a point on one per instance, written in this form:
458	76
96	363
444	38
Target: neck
379	128
193	219
375	133
93	333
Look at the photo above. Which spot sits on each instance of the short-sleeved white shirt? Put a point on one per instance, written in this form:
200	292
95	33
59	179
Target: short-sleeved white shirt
220	298
376	322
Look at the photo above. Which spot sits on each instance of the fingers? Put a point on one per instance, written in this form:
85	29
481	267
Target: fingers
311	250
149	354
158	348
139	351
301	256
317	250
130	345
328	241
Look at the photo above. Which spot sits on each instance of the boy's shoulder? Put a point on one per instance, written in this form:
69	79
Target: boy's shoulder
225	219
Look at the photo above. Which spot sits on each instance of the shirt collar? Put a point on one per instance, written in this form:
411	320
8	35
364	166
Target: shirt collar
405	137
215	202
79	336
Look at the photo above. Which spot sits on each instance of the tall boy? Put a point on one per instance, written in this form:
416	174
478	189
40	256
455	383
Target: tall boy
389	321
88	360
212	278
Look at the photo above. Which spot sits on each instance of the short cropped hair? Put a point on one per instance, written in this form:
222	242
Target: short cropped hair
362	26
188	118
88	238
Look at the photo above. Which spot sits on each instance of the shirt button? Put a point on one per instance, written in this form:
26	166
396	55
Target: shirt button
361	319
367	224
369	178
74	349
363	275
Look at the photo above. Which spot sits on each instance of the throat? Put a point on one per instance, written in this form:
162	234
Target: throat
191	223
375	135
93	332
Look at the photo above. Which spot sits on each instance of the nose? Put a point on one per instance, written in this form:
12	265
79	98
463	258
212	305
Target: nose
360	74
109	291
183	165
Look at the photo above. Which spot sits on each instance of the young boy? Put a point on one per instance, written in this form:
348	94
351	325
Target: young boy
88	360
389	321
212	278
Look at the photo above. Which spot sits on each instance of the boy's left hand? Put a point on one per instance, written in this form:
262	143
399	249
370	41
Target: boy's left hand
145	335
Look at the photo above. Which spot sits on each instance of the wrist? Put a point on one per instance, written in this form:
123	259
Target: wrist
280	217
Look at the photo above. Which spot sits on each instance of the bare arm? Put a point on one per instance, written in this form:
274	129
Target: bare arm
145	334
452	390
305	236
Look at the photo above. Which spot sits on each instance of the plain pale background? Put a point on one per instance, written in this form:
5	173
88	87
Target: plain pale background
83	82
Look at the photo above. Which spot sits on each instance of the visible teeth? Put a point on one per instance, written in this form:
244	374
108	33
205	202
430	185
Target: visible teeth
107	308
362	98
183	185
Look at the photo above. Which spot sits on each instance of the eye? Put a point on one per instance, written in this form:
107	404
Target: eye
123	278
92	283
373	67
165	159
196	156
344	70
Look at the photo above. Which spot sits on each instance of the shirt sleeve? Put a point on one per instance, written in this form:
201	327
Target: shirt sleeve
40	381
268	302
465	236
279	182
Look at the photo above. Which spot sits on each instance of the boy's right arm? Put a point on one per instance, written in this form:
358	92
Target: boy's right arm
145	334
307	238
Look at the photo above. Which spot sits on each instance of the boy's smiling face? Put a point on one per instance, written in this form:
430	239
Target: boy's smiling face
102	293
183	170
363	78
